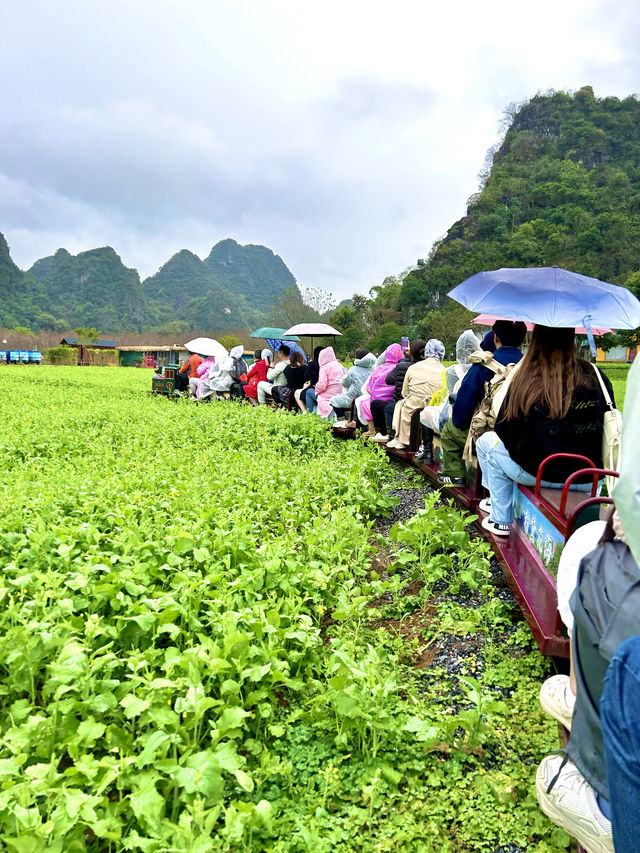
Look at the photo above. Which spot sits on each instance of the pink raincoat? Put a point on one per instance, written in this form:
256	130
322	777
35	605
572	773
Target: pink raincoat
376	387
203	371
329	381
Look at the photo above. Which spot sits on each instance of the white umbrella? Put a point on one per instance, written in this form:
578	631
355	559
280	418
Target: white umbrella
313	330
208	347
317	330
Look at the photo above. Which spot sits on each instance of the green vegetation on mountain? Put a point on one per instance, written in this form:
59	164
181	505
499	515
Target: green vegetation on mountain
92	288
254	271
562	188
232	289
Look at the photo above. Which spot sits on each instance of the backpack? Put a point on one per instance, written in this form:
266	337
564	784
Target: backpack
605	605
495	390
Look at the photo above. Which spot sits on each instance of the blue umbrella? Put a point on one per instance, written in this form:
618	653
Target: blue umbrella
550	296
275	343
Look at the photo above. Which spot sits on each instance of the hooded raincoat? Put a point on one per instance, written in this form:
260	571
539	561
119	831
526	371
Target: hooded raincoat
434	417
329	380
231	370
375	386
353	380
421	382
465	345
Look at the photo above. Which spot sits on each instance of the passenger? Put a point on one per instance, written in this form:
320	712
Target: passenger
434	416
294	374
553	405
508	338
312	371
382	410
257	374
364	395
188	371
619	718
237	388
574	791
377	388
275	374
352	382
231	369
328	384
202	372
421	382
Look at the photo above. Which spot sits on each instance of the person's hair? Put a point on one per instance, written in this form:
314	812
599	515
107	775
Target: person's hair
360	353
296	359
257	355
317	352
416	350
511	333
488	344
549	373
284	349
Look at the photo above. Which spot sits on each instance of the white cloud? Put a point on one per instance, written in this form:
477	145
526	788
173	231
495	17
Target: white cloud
344	136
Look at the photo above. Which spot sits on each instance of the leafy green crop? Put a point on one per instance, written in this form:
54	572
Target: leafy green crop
189	658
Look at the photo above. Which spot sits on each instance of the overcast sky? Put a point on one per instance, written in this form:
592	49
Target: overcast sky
346	136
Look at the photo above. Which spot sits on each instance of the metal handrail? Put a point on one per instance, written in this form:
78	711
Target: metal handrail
544	462
596	473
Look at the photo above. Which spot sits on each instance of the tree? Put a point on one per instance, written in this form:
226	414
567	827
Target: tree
293	307
446	324
389	333
87	335
229	341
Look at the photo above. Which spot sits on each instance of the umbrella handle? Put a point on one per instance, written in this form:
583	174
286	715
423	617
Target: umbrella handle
590	338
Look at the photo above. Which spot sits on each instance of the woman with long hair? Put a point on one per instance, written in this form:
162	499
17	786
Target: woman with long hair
554	404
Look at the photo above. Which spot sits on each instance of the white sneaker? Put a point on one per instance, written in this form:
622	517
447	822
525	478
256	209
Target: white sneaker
572	804
496	528
392	443
557	699
340	425
485	505
380	437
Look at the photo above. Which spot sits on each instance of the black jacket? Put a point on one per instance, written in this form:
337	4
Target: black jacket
312	371
533	437
395	377
295	376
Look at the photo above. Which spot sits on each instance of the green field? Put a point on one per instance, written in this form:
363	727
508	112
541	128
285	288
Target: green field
617	374
208	645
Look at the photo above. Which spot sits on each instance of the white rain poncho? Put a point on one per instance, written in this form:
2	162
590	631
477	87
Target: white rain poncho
626	493
465	345
231	370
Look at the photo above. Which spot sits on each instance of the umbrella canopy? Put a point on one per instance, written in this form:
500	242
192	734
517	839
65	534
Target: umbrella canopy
549	296
275	343
315	330
271	333
489	320
209	347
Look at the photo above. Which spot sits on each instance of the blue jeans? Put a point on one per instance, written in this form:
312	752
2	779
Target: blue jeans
500	475
311	399
620	719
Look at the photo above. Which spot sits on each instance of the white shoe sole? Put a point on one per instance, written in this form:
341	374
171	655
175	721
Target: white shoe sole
582	831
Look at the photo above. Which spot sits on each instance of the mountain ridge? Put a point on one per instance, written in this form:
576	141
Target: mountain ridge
232	288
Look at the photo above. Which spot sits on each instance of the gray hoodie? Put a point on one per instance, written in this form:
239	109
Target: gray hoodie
353	380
